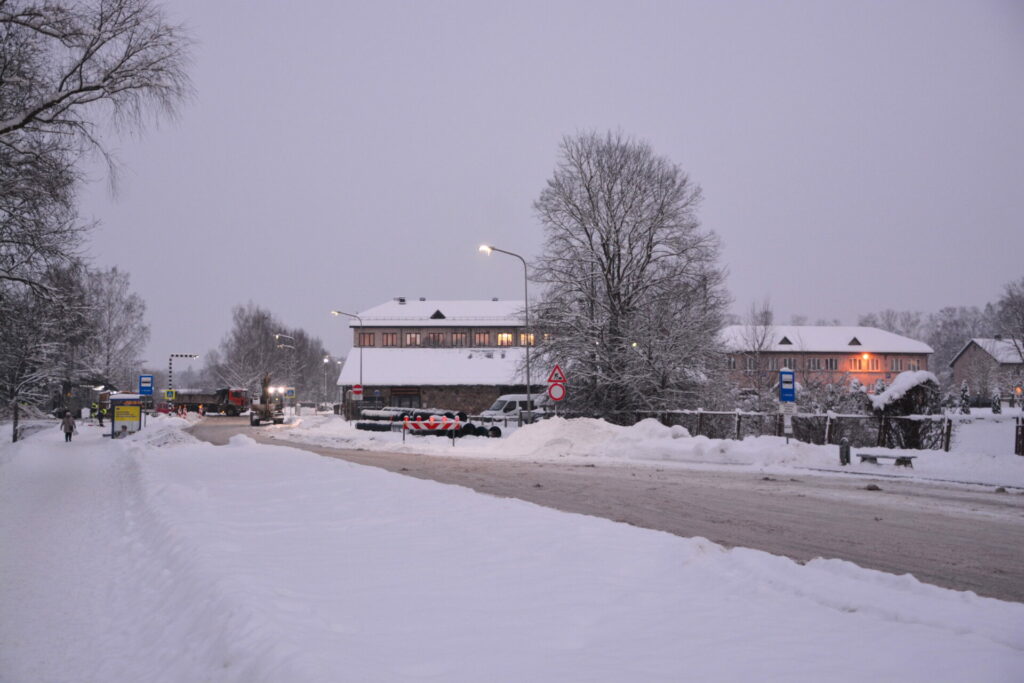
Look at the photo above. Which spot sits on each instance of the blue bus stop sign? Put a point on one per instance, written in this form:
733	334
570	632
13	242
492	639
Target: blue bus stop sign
787	386
145	385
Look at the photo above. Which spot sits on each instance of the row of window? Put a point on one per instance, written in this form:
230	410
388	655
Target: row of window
832	364
458	339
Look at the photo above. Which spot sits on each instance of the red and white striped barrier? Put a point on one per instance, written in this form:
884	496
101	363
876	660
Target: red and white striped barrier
434	423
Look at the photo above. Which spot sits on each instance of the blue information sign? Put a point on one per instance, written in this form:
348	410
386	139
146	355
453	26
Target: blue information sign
145	385
787	386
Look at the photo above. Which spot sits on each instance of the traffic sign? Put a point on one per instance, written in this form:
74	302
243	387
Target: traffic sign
170	394
557	375
787	385
289	392
357	392
556	391
145	385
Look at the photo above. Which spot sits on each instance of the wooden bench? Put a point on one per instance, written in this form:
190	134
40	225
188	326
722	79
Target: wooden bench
901	460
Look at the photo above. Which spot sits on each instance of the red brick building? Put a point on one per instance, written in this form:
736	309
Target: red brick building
820	355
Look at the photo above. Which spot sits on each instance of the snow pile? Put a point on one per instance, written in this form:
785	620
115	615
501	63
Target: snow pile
244	562
904	382
984	457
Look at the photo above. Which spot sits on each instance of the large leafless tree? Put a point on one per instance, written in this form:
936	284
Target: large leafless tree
67	69
634	296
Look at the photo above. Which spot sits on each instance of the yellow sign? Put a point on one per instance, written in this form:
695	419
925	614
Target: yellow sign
127	413
170	394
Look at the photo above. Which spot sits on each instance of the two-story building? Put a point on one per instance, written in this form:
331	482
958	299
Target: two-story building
458	355
820	355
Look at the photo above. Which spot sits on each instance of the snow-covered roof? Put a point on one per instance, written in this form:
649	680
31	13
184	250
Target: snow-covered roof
1002	350
904	382
442	313
436	367
821	339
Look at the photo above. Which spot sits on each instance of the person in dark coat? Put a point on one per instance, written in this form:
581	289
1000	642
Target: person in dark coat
67	423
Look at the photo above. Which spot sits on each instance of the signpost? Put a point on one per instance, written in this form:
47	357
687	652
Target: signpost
357	392
556	384
127	417
145	385
787	400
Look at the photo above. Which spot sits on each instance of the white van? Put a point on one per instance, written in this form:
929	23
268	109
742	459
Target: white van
511	405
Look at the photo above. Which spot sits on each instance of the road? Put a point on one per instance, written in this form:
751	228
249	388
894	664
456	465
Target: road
958	537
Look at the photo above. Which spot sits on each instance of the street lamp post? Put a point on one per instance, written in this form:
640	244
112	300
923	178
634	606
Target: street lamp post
327	359
353	315
291	361
487	249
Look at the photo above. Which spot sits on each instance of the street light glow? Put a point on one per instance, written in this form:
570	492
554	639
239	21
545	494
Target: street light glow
485	248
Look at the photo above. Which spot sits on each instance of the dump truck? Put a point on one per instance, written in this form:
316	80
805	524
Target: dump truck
270	407
228	400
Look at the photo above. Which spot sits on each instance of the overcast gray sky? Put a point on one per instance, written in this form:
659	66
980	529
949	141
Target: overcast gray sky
854	156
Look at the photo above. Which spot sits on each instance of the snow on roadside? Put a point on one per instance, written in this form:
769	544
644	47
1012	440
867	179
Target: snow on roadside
159	558
982	462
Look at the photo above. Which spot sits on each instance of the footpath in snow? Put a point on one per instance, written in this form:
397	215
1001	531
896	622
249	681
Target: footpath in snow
157	558
982	453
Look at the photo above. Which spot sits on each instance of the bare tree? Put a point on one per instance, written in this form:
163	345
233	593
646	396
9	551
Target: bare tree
634	297
1011	315
66	67
113	351
756	338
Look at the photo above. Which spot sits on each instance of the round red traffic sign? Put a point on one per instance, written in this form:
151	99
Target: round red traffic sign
357	392
556	391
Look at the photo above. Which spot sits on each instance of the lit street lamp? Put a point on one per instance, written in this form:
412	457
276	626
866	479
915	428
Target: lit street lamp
487	249
327	359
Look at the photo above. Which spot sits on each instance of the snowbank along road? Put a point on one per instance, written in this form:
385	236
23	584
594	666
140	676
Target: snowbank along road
965	538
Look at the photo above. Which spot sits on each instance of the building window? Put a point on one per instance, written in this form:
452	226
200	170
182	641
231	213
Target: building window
874	364
831	363
855	364
412	338
789	363
389	339
435	338
504	339
526	339
460	339
366	338
913	365
813	364
751	363
896	365
773	363
481	339
732	362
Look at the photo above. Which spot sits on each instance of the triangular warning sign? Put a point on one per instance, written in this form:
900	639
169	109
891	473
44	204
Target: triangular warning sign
557	375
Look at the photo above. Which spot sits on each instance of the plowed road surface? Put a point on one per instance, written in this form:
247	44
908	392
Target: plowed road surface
966	538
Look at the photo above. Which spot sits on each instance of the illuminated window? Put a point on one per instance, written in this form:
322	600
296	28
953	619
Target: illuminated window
504	339
389	339
481	338
435	338
460	339
525	339
412	338
366	338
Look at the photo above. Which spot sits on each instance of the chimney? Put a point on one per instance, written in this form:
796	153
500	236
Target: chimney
400	300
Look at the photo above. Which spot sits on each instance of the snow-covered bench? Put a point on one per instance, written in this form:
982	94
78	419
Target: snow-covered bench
901	460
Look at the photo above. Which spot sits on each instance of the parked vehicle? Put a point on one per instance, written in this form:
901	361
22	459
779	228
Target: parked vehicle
227	400
513	405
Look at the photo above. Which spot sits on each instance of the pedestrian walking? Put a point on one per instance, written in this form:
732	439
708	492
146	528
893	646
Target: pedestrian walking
67	423
101	414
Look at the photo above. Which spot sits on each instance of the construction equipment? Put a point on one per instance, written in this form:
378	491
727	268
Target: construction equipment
270	407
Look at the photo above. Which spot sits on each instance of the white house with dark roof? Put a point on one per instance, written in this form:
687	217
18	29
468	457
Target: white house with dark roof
990	364
822	354
454	354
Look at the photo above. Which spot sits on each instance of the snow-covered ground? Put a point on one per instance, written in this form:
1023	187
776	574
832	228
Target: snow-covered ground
158	558
982	453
